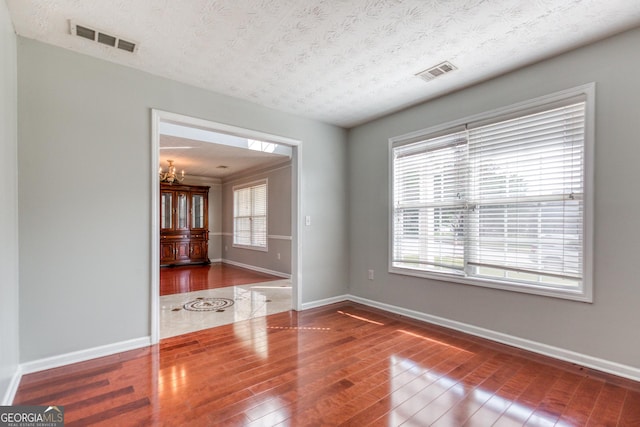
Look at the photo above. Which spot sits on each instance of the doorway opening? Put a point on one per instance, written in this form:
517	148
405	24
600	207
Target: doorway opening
277	157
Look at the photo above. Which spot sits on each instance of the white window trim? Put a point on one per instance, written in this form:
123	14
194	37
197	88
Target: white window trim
264	248
585	293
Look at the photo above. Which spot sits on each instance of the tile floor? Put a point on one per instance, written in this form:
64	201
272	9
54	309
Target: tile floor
249	301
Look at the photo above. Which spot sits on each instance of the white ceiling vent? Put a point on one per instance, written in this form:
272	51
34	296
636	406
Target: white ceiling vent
99	36
437	71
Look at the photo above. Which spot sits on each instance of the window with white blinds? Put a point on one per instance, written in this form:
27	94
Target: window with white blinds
250	215
499	200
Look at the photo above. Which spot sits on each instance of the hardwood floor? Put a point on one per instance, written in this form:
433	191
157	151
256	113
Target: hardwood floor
338	365
188	278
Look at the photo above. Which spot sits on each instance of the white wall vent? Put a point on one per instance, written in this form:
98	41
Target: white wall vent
437	71
99	36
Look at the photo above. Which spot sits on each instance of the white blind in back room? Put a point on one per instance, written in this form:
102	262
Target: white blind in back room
250	216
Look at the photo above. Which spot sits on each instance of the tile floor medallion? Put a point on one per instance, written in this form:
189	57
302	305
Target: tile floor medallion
207	304
193	311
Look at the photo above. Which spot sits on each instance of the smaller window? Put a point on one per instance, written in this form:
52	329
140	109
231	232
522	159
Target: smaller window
250	215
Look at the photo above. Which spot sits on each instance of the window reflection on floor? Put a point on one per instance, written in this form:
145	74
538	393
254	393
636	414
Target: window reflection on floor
423	395
249	303
253	334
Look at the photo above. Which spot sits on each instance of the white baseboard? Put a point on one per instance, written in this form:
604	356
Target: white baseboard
215	260
259	269
10	394
326	301
614	368
82	355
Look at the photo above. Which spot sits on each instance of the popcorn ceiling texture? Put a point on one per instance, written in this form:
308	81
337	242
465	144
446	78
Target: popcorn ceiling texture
339	61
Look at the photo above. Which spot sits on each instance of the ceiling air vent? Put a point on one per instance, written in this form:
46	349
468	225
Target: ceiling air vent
99	36
437	71
125	45
87	33
106	39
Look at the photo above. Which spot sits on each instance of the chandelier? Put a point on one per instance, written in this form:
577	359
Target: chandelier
171	175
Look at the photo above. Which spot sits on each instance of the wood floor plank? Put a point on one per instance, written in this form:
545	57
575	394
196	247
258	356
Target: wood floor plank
608	407
343	364
69	377
448	408
189	278
630	415
583	401
504	396
99	399
480	392
430	403
555	401
111	414
523	406
51	397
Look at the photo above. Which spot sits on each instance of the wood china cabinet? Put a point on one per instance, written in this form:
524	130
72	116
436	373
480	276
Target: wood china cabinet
184	231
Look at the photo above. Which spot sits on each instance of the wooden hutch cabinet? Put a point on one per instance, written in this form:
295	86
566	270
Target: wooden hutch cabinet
184	228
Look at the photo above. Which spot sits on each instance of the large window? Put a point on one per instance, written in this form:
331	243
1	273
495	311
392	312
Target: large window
500	200
250	215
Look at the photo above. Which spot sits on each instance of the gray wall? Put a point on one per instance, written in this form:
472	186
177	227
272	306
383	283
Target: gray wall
215	222
278	220
85	202
8	204
606	329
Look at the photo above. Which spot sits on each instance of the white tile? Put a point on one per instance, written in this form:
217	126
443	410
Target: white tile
250	301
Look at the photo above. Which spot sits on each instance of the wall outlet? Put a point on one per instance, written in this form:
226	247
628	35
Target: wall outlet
278	255
225	248
371	274
307	220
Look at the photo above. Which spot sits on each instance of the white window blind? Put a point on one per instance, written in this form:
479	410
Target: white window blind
250	215
499	200
430	203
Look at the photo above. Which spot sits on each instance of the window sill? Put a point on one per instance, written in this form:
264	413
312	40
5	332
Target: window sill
252	248
575	295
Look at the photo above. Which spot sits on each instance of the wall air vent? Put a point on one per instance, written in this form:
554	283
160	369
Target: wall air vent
437	71
99	36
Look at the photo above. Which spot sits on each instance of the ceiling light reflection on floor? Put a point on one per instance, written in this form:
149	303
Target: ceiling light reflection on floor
253	335
176	379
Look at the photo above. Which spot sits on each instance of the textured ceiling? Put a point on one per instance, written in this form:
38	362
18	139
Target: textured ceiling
339	61
203	158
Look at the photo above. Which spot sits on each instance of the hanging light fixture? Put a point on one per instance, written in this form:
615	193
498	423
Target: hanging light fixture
171	175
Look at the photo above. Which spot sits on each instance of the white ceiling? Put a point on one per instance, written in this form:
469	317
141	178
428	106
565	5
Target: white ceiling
201	153
339	61
204	158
